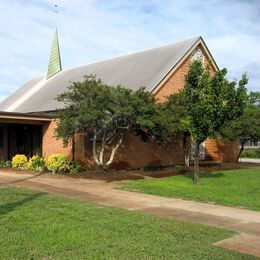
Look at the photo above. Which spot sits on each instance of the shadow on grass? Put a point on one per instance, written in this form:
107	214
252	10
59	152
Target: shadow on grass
204	175
9	207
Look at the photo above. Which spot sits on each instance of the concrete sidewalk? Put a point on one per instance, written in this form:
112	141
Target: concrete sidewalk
244	221
249	160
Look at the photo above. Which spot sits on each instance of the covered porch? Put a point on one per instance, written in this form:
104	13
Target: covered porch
21	134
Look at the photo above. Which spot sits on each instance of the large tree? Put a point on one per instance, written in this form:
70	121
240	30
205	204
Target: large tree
105	114
246	127
211	101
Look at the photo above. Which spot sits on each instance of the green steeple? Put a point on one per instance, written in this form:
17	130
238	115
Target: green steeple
55	61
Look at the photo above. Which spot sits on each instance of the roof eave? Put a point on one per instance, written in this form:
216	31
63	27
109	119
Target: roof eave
23	116
178	64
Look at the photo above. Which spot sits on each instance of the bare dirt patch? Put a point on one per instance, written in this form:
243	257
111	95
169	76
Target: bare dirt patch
243	243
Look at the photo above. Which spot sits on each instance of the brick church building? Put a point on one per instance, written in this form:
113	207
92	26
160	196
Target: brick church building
27	117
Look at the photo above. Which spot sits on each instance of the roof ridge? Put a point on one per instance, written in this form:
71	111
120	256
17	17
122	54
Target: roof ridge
134	53
125	55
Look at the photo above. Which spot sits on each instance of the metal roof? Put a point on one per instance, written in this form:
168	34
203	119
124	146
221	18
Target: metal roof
146	68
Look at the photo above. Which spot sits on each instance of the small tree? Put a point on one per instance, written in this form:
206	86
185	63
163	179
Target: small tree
105	114
211	102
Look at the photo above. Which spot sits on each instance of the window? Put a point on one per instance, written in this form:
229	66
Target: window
252	144
198	55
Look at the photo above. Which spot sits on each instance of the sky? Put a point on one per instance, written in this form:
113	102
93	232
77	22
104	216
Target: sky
93	30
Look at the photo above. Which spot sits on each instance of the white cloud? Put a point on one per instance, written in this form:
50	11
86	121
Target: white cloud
239	53
92	30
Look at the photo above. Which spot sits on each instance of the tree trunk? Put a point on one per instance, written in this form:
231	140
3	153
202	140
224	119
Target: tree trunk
99	160
241	150
103	143
111	159
186	147
196	163
94	149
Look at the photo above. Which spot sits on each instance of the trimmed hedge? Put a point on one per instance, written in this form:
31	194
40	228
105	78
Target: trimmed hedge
251	154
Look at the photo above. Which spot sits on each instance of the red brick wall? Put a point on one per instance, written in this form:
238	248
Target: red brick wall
221	150
176	81
133	153
50	144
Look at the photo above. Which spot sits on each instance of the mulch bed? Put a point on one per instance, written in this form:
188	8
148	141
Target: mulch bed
118	175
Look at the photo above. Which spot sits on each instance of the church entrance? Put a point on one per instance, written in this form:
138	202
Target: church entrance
24	139
20	139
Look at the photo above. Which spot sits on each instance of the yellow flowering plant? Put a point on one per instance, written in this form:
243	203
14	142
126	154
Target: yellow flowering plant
36	162
20	161
58	163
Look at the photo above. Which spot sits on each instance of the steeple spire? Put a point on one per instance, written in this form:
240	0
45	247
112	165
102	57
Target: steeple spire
55	60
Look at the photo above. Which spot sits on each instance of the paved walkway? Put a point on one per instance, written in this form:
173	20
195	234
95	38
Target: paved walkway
249	160
246	222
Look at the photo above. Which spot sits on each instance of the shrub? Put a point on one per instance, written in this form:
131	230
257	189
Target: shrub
257	153
37	163
19	161
5	164
75	167
251	153
58	163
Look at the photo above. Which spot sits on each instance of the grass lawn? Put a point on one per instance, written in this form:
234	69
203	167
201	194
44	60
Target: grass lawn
238	188
35	225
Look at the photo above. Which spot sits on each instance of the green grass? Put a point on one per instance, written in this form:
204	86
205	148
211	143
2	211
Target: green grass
35	225
238	188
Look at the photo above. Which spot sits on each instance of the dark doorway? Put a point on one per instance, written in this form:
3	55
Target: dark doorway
24	139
